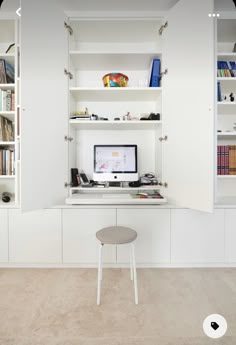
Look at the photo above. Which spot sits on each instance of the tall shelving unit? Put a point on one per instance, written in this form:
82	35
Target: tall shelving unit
226	110
98	46
9	34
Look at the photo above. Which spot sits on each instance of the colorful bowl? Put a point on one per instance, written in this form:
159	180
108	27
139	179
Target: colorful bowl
115	80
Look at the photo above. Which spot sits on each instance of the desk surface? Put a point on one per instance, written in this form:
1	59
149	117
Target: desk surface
122	199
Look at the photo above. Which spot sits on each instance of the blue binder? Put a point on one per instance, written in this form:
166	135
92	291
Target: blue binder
155	73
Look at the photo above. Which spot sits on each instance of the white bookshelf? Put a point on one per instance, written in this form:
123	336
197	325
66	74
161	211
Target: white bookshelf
9	28
226	116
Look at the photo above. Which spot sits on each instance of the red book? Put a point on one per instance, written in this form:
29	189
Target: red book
218	160
227	160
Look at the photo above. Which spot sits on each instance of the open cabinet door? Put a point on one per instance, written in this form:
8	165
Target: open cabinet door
188	105
43	104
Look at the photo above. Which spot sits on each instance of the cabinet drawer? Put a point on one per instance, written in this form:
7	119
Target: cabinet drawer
152	245
79	235
3	236
197	237
35	237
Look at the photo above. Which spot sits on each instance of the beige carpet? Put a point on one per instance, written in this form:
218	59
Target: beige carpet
58	306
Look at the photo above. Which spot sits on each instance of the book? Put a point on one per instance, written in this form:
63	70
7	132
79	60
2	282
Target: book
219	96
3	77
227	160
6	129
155	73
232	159
10	73
219	160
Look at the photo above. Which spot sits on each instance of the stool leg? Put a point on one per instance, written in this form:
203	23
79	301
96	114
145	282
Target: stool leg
135	275
99	274
131	263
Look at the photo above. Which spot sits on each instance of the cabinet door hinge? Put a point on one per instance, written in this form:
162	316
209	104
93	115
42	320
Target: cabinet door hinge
163	184
68	138
164	72
165	138
69	28
69	74
66	184
162	28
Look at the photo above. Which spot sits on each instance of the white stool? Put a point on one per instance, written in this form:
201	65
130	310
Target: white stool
117	235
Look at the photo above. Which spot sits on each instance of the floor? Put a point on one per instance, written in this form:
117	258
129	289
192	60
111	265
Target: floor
58	306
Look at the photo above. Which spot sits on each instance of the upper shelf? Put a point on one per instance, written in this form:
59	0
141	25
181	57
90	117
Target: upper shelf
226	135
226	78
226	54
114	125
101	94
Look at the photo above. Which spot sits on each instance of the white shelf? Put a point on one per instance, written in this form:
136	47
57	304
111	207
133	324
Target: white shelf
101	94
226	176
7	177
114	125
7	86
114	189
226	54
226	135
226	103
10	115
7	143
226	78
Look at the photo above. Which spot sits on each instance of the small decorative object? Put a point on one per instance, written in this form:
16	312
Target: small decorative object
234	50
231	96
234	127
6	197
115	80
127	116
116	119
94	117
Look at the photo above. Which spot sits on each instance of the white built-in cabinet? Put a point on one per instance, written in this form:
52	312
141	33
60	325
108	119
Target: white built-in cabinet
35	237
230	235
197	237
153	227
79	241
126	43
3	235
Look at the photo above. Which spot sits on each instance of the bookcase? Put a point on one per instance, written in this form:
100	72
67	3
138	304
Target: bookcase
10	108
226	110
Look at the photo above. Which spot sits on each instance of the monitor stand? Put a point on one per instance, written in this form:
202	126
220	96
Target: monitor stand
115	184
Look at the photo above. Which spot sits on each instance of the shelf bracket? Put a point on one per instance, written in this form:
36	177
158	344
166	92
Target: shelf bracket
68	138
163	184
165	138
163	73
162	28
69	74
69	28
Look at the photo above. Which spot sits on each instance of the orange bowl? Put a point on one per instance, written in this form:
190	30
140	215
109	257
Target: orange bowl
115	80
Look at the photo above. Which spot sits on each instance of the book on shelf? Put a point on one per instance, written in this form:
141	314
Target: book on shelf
7	162
155	76
7	100
6	129
226	160
225	69
219	95
7	72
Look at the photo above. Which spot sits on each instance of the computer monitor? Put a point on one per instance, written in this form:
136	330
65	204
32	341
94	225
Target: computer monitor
115	163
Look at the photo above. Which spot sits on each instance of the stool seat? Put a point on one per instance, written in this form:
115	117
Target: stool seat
116	235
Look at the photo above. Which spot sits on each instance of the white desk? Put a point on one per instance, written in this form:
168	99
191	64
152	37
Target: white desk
113	199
